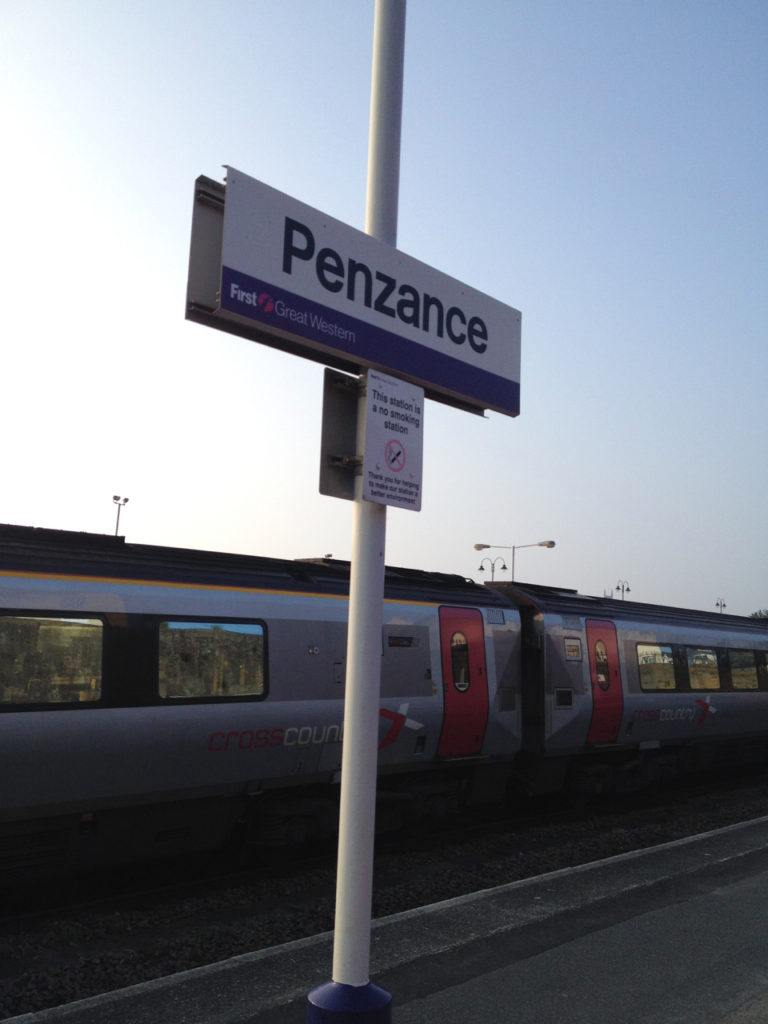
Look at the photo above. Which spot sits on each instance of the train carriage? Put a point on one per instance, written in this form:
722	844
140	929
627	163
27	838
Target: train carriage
155	699
618	694
158	700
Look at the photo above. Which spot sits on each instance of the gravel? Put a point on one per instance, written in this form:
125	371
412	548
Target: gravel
148	927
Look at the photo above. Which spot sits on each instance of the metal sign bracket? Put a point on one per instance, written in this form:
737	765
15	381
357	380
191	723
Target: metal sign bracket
338	470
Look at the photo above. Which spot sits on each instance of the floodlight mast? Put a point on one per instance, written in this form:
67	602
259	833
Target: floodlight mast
514	548
120	502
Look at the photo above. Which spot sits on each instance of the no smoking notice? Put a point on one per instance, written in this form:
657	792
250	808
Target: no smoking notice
394	442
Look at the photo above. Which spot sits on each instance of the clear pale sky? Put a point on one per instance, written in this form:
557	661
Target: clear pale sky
601	165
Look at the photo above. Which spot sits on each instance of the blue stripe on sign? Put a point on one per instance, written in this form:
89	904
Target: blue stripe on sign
364	343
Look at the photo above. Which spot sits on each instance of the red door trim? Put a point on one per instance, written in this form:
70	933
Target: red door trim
465	698
605	674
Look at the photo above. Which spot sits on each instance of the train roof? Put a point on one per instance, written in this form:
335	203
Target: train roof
38	549
561	600
66	552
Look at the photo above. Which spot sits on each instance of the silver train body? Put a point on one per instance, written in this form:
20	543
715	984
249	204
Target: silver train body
157	700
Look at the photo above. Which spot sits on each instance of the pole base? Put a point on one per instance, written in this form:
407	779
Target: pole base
335	1003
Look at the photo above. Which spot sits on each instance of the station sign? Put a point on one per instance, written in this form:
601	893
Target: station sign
394	442
270	268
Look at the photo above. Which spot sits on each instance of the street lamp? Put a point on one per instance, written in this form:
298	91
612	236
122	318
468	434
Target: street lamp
720	603
623	586
492	562
514	548
119	502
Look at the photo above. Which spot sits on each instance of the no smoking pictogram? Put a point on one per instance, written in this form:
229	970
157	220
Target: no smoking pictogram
394	454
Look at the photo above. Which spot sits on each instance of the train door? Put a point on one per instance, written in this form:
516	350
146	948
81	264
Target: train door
465	682
607	696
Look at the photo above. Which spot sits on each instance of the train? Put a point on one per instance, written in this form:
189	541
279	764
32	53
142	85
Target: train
157	700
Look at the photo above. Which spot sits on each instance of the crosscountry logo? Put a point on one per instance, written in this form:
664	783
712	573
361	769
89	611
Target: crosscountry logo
397	719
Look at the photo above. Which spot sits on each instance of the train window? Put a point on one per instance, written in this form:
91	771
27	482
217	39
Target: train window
703	672
743	670
49	660
601	665
460	662
211	659
657	667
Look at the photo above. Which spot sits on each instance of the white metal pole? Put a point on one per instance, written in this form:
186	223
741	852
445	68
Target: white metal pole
385	120
354	890
354	885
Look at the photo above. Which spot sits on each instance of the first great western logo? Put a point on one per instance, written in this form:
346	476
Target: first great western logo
273	308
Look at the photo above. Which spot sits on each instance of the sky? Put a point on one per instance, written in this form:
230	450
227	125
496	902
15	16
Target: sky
600	165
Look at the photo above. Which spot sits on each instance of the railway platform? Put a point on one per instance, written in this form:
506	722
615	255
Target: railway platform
672	935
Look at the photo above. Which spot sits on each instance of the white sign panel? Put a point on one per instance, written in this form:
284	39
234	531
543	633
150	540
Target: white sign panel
394	442
292	271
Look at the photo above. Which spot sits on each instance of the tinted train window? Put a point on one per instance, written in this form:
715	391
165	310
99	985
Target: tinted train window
657	667
460	662
211	659
743	670
49	660
703	672
601	665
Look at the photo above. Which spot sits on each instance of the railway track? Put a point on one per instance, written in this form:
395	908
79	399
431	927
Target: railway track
152	922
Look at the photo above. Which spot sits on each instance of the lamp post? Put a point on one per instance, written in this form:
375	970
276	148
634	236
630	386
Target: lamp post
514	548
492	562
119	502
720	603
623	586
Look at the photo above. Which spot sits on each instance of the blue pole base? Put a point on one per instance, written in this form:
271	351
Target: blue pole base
334	1003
